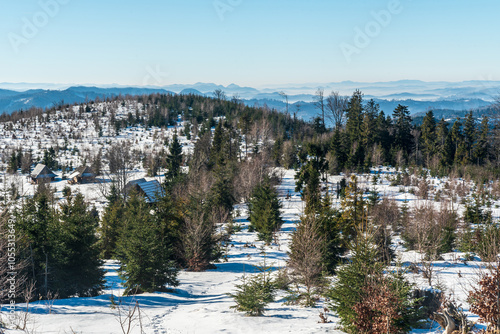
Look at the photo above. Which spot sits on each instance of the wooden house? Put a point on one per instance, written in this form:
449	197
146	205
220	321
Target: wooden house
82	174
42	174
151	190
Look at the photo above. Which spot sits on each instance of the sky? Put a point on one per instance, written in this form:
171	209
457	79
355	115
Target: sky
247	42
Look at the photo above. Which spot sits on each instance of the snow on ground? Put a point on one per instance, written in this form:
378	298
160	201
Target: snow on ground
200	303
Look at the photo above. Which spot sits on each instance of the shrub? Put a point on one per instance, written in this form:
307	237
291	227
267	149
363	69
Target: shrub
485	299
255	293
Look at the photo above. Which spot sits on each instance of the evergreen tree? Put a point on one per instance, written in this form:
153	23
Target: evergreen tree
308	183
41	234
49	158
444	146
457	138
354	116
428	137
13	165
80	274
174	159
354	294
354	210
221	192
111	224
147	260
265	216
328	224
351	279
402	129
169	220
255	293
481	147
216	152
469	135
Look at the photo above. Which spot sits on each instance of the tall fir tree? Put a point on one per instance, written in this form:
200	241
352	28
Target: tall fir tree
111	224
402	129
481	146
147	258
428	137
469	135
40	232
265	215
80	273
174	159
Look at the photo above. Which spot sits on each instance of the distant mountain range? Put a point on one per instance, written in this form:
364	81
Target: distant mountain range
419	96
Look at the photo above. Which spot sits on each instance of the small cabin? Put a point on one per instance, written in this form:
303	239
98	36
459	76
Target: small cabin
42	174
82	174
151	190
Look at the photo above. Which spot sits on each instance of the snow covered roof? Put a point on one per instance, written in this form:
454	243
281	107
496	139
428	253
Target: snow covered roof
83	171
41	172
151	189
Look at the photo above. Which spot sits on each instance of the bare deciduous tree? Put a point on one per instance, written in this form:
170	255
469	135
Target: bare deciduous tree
120	163
319	102
336	104
306	253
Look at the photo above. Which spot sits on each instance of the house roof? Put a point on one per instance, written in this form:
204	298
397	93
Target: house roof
151	189
41	172
82	171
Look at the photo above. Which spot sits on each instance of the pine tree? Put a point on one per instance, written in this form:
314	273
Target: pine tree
111	224
347	291
49	158
402	129
41	234
481	147
428	137
265	216
444	146
354	116
174	159
216	153
354	210
169	220
469	135
457	137
80	273
308	183
147	261
255	293
328	223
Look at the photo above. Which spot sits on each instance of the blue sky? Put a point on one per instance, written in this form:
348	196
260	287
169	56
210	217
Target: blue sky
248	42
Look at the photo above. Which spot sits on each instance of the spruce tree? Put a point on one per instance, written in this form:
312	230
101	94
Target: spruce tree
265	216
174	159
402	129
80	273
147	261
469	134
111	224
444	146
41	235
481	147
354	210
428	137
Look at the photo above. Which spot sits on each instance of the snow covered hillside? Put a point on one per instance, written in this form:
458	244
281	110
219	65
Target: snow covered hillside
201	304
